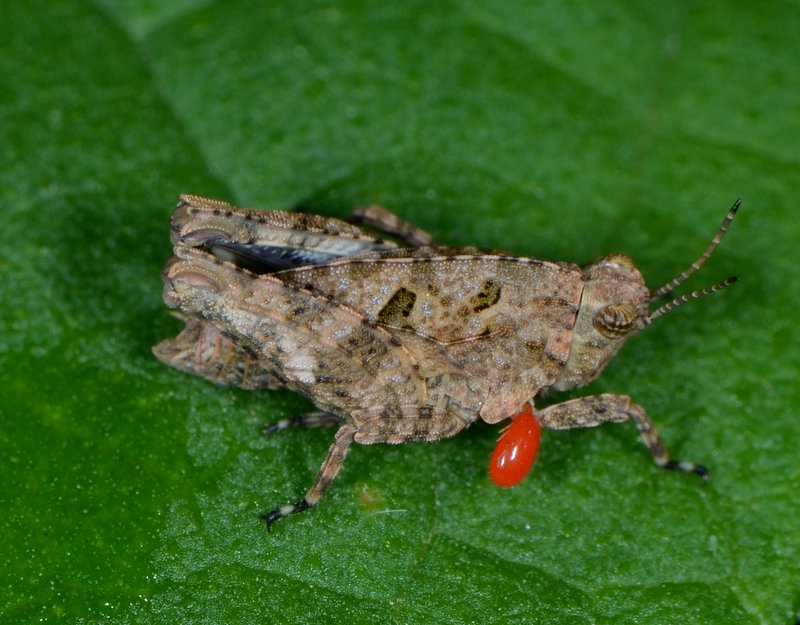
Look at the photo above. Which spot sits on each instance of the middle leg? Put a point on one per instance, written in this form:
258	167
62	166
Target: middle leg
327	473
317	419
386	221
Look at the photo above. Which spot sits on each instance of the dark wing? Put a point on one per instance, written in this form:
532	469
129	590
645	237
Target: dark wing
264	242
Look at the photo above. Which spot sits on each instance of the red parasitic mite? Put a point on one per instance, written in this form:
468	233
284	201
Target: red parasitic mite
512	458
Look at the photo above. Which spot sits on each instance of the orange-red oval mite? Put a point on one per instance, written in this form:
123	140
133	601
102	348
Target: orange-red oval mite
516	449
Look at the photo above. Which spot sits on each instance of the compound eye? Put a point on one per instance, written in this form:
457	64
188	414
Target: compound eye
615	320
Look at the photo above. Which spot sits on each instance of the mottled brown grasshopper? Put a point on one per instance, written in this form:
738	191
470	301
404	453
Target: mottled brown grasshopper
396	344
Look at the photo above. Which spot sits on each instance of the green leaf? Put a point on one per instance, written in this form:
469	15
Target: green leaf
131	492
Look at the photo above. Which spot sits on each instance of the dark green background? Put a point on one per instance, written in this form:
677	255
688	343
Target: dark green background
130	491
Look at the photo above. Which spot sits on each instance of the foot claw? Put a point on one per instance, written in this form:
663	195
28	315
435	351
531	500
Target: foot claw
279	513
687	467
270	518
275	427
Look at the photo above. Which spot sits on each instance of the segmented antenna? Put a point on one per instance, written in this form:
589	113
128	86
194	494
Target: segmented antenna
689	296
672	284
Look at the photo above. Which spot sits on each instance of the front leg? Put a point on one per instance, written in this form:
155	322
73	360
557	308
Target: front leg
596	409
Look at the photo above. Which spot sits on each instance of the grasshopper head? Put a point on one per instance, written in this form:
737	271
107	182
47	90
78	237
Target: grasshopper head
615	305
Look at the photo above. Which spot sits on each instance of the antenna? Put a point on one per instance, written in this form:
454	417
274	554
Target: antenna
672	284
663	310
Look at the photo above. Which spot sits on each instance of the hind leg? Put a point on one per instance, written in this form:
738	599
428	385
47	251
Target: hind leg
202	350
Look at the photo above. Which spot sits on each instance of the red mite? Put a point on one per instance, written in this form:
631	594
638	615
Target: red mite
516	449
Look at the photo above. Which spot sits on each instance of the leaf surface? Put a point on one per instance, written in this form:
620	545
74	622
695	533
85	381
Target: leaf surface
564	131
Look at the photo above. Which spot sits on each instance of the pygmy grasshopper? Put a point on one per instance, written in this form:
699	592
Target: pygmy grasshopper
397	344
